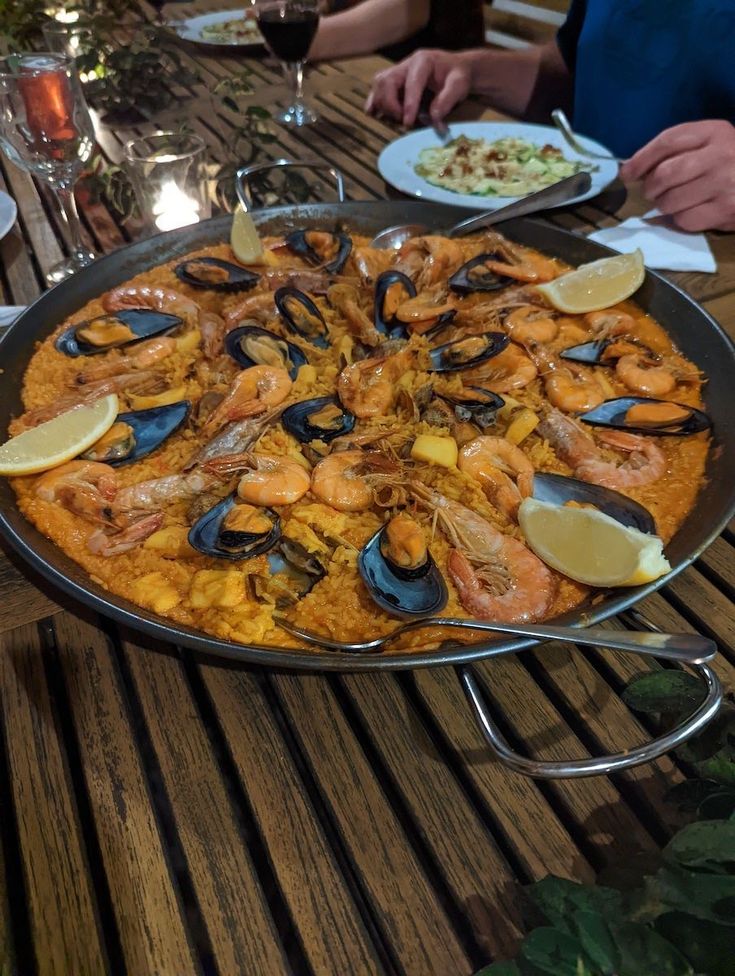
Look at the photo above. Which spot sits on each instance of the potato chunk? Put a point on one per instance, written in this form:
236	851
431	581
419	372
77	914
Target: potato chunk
217	588
170	541
435	450
155	592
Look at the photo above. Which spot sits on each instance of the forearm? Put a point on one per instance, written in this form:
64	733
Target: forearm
367	27
521	83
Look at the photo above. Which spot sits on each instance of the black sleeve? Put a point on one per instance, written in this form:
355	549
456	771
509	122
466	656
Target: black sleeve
568	34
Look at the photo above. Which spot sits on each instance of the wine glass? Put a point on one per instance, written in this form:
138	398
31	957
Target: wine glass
288	27
45	129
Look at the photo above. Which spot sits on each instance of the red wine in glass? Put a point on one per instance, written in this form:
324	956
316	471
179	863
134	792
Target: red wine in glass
288	27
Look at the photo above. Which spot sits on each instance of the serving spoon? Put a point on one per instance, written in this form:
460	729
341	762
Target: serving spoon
550	196
684	648
558	117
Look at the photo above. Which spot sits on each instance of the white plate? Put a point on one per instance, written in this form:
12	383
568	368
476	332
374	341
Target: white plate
191	29
8	213
396	162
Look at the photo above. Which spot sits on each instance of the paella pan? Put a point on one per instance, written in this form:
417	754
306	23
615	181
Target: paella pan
697	337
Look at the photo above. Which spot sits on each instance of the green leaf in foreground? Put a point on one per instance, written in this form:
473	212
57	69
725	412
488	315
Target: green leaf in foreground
558	900
710	897
598	941
708	846
710	948
646	953
664	692
555	952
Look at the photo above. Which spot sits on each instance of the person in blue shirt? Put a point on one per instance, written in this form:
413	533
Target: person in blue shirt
653	80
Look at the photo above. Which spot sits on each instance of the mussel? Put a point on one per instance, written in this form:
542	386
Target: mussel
467	352
475	275
234	530
559	490
644	415
294	572
392	289
321	248
302	316
478	406
604	352
216	275
322	418
116	329
398	571
138	432
250	345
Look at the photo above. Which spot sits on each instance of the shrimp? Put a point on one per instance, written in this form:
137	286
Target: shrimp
497	577
212	327
529	323
524	266
137	382
86	488
352	481
235	438
371	262
316	282
251	393
429	259
156	492
492	461
570	387
145	354
346	299
259	308
510	370
103	543
271	480
609	322
368	387
646	464
645	375
156	297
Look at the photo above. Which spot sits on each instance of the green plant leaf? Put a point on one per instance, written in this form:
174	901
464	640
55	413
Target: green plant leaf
500	969
708	846
646	953
710	948
597	940
555	952
720	767
558	899
710	897
664	692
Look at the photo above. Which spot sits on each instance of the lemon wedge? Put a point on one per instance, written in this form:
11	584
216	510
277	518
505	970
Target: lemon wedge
58	440
597	285
244	239
590	547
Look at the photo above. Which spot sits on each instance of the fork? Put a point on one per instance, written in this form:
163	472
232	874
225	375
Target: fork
562	123
685	648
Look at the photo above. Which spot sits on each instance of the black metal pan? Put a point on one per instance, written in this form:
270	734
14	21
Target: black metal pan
695	332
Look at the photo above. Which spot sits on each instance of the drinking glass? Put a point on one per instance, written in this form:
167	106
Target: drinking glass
288	27
45	129
168	173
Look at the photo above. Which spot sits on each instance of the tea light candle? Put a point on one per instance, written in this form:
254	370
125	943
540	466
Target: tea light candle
62	16
174	208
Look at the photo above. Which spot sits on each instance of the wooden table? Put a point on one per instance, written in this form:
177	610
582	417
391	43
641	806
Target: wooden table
166	815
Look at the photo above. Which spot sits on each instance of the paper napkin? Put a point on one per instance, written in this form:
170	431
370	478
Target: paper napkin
662	244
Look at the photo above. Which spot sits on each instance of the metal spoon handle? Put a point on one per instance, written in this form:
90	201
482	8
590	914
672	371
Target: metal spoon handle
562	123
550	196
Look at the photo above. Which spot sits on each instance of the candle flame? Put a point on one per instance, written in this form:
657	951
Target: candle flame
174	208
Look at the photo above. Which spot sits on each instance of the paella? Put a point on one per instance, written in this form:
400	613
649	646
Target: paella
334	436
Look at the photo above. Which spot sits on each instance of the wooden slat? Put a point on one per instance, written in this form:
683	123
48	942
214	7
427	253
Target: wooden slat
60	898
147	912
408	908
333	933
232	901
20	600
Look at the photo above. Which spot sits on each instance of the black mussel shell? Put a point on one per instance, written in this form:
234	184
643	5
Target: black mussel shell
216	275
208	536
389	325
612	413
302	242
242	344
403	593
297	420
144	323
288	300
480	408
587	352
292	560
558	490
471	277
447	358
150	428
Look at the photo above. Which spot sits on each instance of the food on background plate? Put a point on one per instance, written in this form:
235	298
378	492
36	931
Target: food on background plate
508	167
238	30
342	437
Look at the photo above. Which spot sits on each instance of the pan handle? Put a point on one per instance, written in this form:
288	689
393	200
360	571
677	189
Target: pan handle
595	766
242	177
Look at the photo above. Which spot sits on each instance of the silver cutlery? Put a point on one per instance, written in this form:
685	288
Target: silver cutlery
562	123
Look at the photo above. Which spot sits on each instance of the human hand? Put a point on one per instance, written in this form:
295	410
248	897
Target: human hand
397	91
688	171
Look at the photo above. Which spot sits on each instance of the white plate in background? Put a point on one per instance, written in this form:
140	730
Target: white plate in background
8	213
191	29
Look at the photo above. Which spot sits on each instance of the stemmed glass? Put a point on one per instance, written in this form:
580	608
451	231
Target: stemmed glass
288	27
45	129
